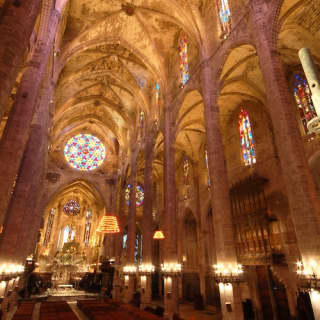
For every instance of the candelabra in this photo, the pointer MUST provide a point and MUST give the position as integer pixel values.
(10, 271)
(146, 269)
(308, 276)
(129, 269)
(230, 274)
(171, 269)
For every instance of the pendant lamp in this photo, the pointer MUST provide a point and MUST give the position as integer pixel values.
(158, 235)
(108, 224)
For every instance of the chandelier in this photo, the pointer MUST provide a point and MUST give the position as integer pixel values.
(108, 224)
(72, 208)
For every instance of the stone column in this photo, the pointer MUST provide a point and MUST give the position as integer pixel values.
(147, 221)
(17, 131)
(299, 185)
(220, 201)
(16, 26)
(131, 240)
(23, 219)
(171, 291)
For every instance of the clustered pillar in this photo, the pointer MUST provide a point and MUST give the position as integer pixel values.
(146, 279)
(171, 292)
(17, 131)
(131, 240)
(300, 187)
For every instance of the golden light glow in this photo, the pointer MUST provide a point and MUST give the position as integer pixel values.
(108, 224)
(158, 235)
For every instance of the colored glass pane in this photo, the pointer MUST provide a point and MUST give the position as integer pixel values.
(304, 102)
(246, 138)
(224, 17)
(139, 195)
(72, 208)
(184, 65)
(186, 173)
(84, 152)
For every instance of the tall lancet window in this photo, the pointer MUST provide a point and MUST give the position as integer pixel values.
(184, 65)
(66, 233)
(224, 17)
(303, 99)
(207, 165)
(246, 138)
(186, 174)
(87, 229)
(49, 227)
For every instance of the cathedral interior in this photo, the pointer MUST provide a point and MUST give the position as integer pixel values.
(160, 159)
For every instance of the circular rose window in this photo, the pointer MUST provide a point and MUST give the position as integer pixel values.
(139, 195)
(72, 208)
(84, 152)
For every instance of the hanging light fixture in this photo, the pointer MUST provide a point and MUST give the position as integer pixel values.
(158, 235)
(108, 224)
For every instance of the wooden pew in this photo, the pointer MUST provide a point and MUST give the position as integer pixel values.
(24, 311)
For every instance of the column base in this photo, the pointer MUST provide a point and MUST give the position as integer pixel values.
(171, 297)
(146, 291)
(129, 290)
(231, 304)
(315, 301)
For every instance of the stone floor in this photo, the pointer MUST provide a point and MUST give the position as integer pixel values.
(187, 312)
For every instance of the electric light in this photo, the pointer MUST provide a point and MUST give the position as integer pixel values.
(308, 275)
(129, 269)
(108, 224)
(171, 268)
(158, 235)
(230, 274)
(146, 268)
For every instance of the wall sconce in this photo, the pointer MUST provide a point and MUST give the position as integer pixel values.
(308, 276)
(230, 274)
(171, 269)
(129, 269)
(146, 268)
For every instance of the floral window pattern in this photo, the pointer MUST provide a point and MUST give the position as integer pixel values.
(87, 229)
(84, 152)
(224, 17)
(49, 226)
(246, 138)
(302, 95)
(184, 65)
(72, 208)
(139, 195)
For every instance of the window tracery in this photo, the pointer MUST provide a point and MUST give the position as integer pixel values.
(246, 138)
(139, 195)
(224, 17)
(302, 95)
(72, 208)
(87, 228)
(49, 227)
(84, 152)
(186, 173)
(184, 65)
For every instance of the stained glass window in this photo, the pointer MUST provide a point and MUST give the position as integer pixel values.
(65, 235)
(246, 138)
(186, 173)
(207, 165)
(184, 65)
(304, 102)
(72, 208)
(87, 228)
(49, 227)
(84, 152)
(141, 119)
(224, 17)
(139, 195)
